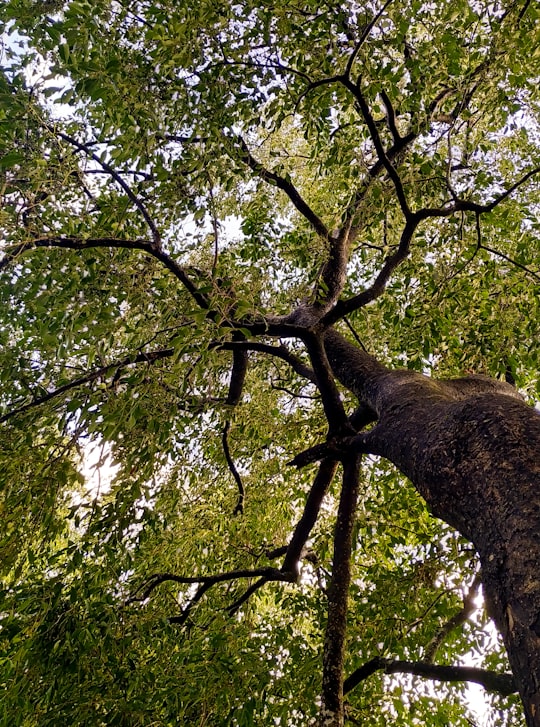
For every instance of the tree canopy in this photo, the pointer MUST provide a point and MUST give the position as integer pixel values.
(191, 193)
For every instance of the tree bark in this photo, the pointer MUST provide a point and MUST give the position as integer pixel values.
(471, 447)
(332, 712)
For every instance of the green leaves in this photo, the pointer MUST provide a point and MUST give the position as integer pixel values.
(129, 123)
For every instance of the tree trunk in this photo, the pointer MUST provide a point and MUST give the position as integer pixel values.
(471, 447)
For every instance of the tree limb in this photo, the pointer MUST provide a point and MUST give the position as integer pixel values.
(284, 184)
(146, 589)
(79, 243)
(338, 597)
(149, 357)
(156, 237)
(457, 620)
(280, 351)
(331, 399)
(491, 681)
(321, 483)
(354, 88)
(239, 508)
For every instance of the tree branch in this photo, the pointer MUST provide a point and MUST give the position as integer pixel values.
(491, 681)
(344, 307)
(331, 399)
(280, 351)
(149, 357)
(338, 596)
(453, 623)
(321, 483)
(156, 237)
(146, 589)
(79, 243)
(363, 37)
(285, 185)
(379, 148)
(239, 508)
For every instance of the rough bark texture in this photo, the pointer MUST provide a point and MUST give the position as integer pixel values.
(472, 448)
(338, 594)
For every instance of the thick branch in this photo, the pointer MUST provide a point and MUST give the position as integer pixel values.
(491, 681)
(332, 404)
(378, 287)
(332, 713)
(325, 475)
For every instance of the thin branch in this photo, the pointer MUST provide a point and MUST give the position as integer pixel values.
(363, 37)
(156, 237)
(149, 357)
(491, 681)
(233, 608)
(79, 243)
(390, 117)
(284, 184)
(509, 260)
(376, 289)
(146, 589)
(470, 206)
(379, 148)
(453, 623)
(239, 508)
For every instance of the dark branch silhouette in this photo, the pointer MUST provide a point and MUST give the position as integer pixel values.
(492, 681)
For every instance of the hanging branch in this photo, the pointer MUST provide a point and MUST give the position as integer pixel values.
(236, 386)
(491, 681)
(239, 508)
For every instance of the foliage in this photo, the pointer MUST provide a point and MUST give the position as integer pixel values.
(167, 172)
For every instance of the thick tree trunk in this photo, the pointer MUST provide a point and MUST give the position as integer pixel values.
(472, 449)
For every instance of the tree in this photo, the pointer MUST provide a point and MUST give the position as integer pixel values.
(247, 250)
